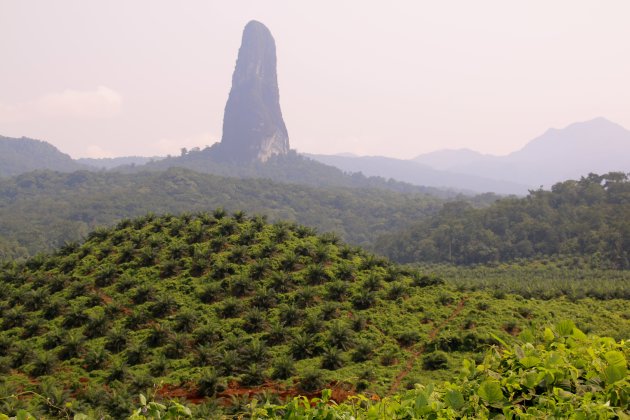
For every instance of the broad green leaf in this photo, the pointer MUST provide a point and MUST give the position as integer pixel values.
(143, 399)
(617, 366)
(554, 359)
(548, 335)
(529, 361)
(496, 337)
(614, 374)
(421, 400)
(531, 379)
(577, 333)
(562, 394)
(622, 415)
(326, 394)
(615, 358)
(527, 336)
(454, 399)
(565, 328)
(24, 415)
(490, 392)
(468, 367)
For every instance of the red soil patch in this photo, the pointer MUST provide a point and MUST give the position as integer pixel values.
(341, 391)
(168, 391)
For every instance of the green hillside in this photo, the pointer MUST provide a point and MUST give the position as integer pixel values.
(291, 168)
(212, 308)
(22, 155)
(43, 210)
(589, 218)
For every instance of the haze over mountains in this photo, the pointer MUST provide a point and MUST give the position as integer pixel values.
(255, 143)
(596, 146)
(22, 155)
(417, 173)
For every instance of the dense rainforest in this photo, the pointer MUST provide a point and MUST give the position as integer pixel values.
(291, 168)
(73, 204)
(40, 211)
(213, 308)
(589, 217)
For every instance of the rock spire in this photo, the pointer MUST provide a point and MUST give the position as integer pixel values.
(253, 128)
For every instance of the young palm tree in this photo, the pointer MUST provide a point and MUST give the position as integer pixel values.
(72, 346)
(332, 358)
(396, 290)
(255, 320)
(208, 382)
(185, 320)
(362, 351)
(337, 291)
(255, 351)
(176, 347)
(372, 282)
(316, 274)
(264, 298)
(276, 333)
(96, 358)
(135, 354)
(283, 367)
(303, 346)
(289, 315)
(339, 335)
(210, 293)
(157, 336)
(116, 340)
(43, 364)
(363, 299)
(254, 375)
(313, 324)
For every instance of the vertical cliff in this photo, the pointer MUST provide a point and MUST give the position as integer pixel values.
(253, 128)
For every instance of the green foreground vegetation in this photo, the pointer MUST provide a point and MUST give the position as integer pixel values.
(212, 310)
(560, 374)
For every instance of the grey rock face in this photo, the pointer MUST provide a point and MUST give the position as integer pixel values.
(253, 128)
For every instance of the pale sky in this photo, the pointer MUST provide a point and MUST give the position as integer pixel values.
(118, 77)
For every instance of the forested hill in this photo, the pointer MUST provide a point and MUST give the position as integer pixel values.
(23, 155)
(589, 217)
(42, 210)
(293, 168)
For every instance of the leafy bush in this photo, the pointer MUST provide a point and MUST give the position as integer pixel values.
(434, 361)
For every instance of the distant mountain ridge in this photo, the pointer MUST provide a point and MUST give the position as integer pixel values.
(20, 155)
(419, 174)
(597, 146)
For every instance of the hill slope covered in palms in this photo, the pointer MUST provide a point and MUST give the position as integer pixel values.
(208, 306)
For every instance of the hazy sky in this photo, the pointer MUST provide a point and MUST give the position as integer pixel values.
(111, 78)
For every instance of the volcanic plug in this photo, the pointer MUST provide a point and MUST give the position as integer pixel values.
(253, 128)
